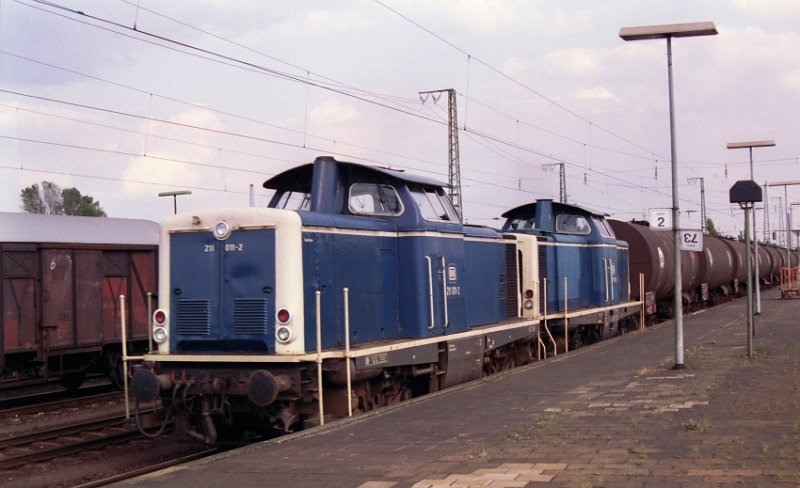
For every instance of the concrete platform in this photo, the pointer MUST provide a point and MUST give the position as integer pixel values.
(611, 415)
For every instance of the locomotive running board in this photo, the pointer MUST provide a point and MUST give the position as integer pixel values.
(355, 352)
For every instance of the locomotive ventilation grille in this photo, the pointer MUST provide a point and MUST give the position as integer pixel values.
(194, 317)
(508, 290)
(250, 316)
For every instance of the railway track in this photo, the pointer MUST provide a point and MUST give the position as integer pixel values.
(151, 468)
(41, 446)
(60, 404)
(11, 400)
(83, 441)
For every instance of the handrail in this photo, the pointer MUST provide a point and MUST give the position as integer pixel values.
(123, 325)
(566, 318)
(444, 292)
(430, 290)
(546, 328)
(612, 273)
(641, 298)
(318, 295)
(150, 321)
(539, 342)
(346, 292)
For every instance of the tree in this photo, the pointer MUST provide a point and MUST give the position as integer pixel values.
(76, 204)
(51, 199)
(711, 228)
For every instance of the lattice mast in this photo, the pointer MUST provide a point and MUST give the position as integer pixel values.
(702, 202)
(454, 166)
(767, 236)
(562, 179)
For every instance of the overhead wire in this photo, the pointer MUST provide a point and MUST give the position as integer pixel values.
(506, 76)
(294, 78)
(327, 83)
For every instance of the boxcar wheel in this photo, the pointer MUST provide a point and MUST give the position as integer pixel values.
(115, 367)
(72, 381)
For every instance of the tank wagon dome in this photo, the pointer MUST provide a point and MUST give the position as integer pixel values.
(67, 229)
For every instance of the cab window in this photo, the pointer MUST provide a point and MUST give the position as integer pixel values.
(374, 199)
(294, 200)
(572, 224)
(434, 204)
(605, 229)
(522, 224)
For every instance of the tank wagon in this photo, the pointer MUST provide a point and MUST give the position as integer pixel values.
(716, 274)
(359, 287)
(61, 279)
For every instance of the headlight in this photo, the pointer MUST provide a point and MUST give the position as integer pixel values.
(528, 304)
(283, 335)
(222, 230)
(160, 335)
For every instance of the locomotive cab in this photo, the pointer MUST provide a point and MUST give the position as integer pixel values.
(582, 269)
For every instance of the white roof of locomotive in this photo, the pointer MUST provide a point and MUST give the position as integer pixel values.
(65, 229)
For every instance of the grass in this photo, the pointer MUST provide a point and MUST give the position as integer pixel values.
(692, 425)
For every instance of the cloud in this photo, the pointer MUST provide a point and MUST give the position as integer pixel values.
(513, 65)
(792, 81)
(767, 8)
(318, 22)
(484, 15)
(574, 62)
(593, 93)
(332, 113)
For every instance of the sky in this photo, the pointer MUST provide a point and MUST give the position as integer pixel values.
(125, 99)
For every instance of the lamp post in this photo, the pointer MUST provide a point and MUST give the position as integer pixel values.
(746, 193)
(750, 145)
(174, 194)
(667, 32)
(785, 185)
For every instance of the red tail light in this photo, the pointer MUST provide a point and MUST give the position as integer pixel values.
(283, 316)
(160, 317)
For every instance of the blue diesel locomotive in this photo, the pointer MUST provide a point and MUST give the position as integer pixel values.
(359, 287)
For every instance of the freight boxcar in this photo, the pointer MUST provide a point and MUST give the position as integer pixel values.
(61, 281)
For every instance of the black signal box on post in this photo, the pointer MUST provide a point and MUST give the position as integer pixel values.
(746, 191)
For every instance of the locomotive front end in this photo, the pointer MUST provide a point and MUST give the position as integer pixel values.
(231, 308)
(225, 291)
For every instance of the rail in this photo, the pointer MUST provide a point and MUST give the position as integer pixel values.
(64, 441)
